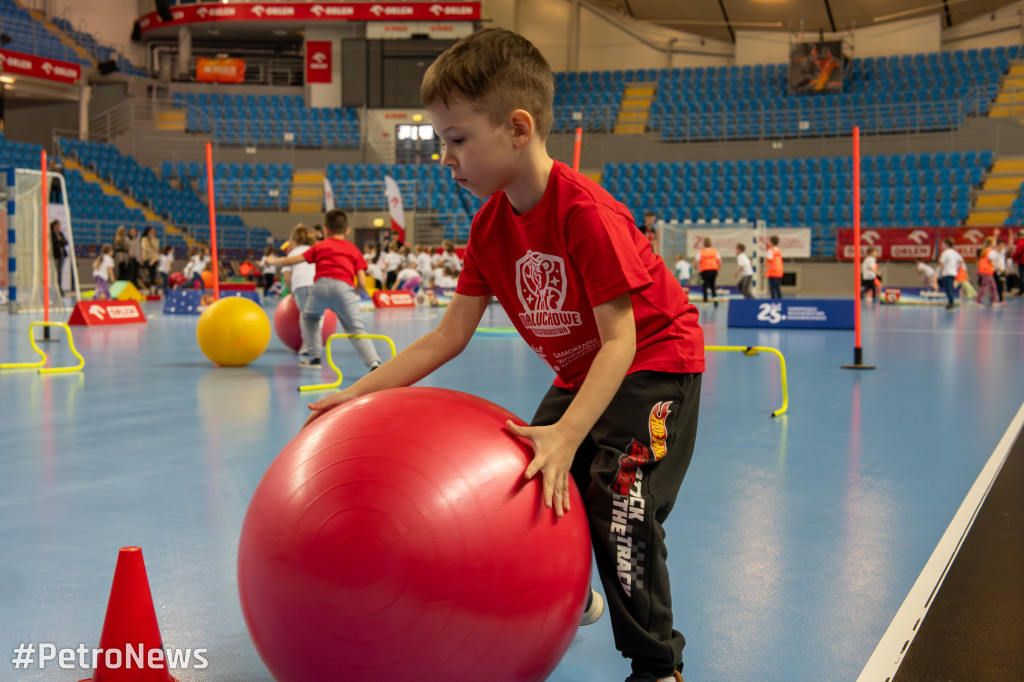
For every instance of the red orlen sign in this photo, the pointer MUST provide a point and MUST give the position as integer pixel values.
(220, 70)
(97, 313)
(318, 61)
(315, 11)
(39, 67)
(892, 243)
(911, 243)
(393, 299)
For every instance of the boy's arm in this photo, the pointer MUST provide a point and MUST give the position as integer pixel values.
(426, 354)
(555, 445)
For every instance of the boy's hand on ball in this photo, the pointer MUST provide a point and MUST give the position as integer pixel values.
(553, 452)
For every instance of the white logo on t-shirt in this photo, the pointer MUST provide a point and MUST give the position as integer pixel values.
(541, 285)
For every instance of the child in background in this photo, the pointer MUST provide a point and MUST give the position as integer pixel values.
(267, 269)
(585, 290)
(299, 277)
(338, 262)
(423, 262)
(773, 265)
(392, 263)
(998, 258)
(163, 266)
(951, 269)
(928, 276)
(986, 273)
(408, 279)
(200, 259)
(710, 261)
(103, 272)
(869, 280)
(744, 270)
(683, 271)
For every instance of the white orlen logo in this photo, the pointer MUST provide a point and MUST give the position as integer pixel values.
(918, 236)
(974, 236)
(258, 10)
(3, 60)
(770, 313)
(319, 58)
(436, 10)
(870, 237)
(48, 68)
(202, 11)
(318, 10)
(97, 311)
(541, 285)
(377, 10)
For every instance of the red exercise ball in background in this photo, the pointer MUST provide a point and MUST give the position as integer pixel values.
(207, 279)
(395, 538)
(176, 279)
(286, 323)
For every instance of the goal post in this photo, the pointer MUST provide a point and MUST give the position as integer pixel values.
(687, 238)
(21, 246)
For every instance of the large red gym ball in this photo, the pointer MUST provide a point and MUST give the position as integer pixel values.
(286, 323)
(395, 538)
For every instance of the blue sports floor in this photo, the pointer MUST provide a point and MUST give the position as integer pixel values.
(792, 545)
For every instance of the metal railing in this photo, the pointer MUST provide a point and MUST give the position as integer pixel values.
(131, 114)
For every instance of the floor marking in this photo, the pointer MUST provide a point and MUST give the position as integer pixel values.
(889, 653)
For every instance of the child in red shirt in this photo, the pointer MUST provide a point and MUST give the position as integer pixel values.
(585, 290)
(338, 264)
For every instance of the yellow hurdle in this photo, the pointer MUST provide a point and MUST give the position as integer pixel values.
(753, 350)
(42, 356)
(330, 360)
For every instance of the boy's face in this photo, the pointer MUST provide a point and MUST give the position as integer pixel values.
(479, 153)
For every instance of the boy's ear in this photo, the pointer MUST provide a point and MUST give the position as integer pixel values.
(522, 126)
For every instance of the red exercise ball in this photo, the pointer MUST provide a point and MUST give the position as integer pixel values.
(207, 277)
(371, 552)
(286, 323)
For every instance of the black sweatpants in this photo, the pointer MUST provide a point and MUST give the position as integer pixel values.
(629, 470)
(708, 278)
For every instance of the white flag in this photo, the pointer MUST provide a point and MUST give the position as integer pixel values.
(328, 196)
(395, 208)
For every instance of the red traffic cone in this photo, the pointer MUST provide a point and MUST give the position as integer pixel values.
(130, 628)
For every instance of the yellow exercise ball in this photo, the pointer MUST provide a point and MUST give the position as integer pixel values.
(233, 331)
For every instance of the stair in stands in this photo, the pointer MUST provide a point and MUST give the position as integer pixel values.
(89, 176)
(169, 119)
(307, 191)
(635, 110)
(1000, 187)
(63, 37)
(1010, 100)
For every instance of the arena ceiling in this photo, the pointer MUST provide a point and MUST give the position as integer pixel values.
(718, 19)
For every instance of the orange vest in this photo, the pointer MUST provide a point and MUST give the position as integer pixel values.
(708, 259)
(775, 264)
(961, 274)
(985, 266)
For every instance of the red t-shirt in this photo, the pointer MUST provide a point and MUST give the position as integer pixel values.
(576, 249)
(335, 258)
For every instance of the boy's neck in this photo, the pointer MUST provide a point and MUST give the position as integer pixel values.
(331, 235)
(532, 174)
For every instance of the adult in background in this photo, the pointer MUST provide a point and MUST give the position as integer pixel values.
(150, 256)
(134, 256)
(59, 249)
(121, 253)
(774, 268)
(649, 230)
(709, 261)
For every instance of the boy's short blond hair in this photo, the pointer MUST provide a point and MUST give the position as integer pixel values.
(495, 72)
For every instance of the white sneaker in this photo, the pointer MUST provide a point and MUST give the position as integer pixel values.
(595, 607)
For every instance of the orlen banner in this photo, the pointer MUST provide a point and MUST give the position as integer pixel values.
(39, 67)
(911, 243)
(318, 61)
(309, 12)
(220, 70)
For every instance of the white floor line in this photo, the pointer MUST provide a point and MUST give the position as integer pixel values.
(889, 653)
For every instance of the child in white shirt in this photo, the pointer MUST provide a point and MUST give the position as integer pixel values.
(745, 271)
(103, 272)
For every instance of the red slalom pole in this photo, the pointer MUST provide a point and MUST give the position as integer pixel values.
(858, 352)
(213, 221)
(46, 248)
(576, 149)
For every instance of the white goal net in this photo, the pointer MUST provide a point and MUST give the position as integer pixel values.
(21, 247)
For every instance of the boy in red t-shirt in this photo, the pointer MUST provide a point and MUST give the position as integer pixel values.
(584, 289)
(338, 263)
